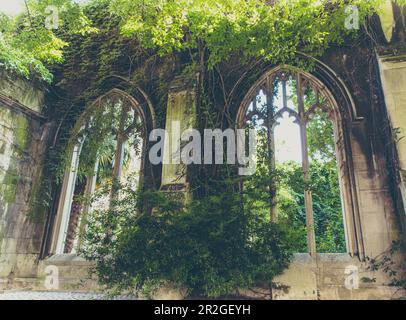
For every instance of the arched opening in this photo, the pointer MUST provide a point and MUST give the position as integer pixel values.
(106, 151)
(302, 160)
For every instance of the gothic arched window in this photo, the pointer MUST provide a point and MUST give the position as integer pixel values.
(106, 150)
(300, 150)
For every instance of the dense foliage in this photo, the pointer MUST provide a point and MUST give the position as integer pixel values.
(209, 247)
(329, 228)
(289, 180)
(28, 44)
(217, 28)
(214, 245)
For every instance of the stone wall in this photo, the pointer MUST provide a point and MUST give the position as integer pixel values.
(323, 277)
(22, 144)
(393, 76)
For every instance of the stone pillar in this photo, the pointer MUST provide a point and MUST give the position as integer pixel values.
(181, 115)
(23, 138)
(387, 20)
(393, 77)
(392, 65)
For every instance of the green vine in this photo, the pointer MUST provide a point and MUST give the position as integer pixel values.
(216, 28)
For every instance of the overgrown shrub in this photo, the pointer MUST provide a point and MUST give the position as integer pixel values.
(211, 246)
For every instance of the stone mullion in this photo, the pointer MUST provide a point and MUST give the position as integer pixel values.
(270, 122)
(311, 238)
(119, 155)
(65, 204)
(89, 191)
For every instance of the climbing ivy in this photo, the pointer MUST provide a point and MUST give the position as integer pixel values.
(209, 247)
(29, 44)
(252, 28)
(216, 28)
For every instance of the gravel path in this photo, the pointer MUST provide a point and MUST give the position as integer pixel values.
(42, 295)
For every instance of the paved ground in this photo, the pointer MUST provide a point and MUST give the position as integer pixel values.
(38, 295)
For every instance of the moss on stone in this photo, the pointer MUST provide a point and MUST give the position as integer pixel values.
(21, 132)
(10, 184)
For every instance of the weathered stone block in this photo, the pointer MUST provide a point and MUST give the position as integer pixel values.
(21, 91)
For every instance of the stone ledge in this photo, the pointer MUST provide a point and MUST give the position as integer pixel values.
(67, 260)
(323, 258)
(21, 93)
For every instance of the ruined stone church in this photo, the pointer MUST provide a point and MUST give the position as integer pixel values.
(363, 83)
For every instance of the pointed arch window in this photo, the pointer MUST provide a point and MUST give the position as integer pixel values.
(107, 149)
(299, 124)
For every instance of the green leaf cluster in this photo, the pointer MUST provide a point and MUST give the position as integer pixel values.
(212, 29)
(28, 47)
(251, 28)
(210, 247)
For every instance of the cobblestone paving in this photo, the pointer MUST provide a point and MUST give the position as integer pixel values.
(39, 295)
